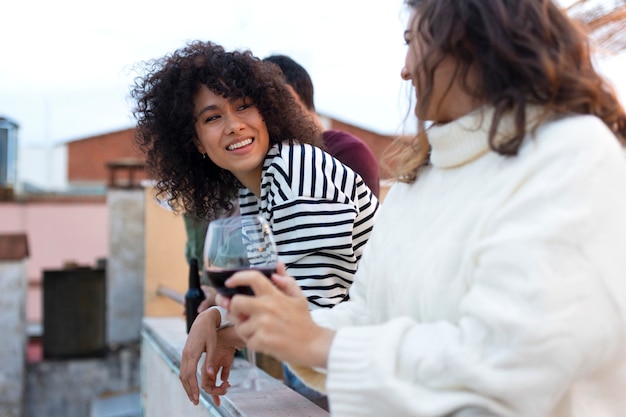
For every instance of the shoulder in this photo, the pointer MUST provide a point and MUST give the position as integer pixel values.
(584, 135)
(345, 145)
(573, 155)
(578, 126)
(338, 137)
(288, 164)
(290, 150)
(333, 134)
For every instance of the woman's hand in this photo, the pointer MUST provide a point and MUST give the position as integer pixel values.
(277, 321)
(204, 338)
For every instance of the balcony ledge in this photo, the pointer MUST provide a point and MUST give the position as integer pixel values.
(163, 339)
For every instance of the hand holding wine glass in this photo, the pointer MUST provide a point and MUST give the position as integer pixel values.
(234, 244)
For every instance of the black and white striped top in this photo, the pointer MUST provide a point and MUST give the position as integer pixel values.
(321, 213)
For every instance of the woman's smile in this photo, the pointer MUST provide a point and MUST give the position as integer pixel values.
(239, 144)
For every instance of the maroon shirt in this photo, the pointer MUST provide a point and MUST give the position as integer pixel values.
(354, 153)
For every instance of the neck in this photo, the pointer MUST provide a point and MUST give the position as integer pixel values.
(252, 180)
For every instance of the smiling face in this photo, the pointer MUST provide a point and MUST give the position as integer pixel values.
(233, 135)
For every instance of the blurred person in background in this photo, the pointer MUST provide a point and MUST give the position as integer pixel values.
(348, 148)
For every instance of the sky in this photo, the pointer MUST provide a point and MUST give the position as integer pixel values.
(66, 66)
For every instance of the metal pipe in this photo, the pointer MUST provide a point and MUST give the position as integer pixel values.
(171, 294)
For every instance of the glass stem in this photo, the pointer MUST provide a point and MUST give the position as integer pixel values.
(252, 360)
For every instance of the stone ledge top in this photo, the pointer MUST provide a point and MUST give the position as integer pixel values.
(275, 400)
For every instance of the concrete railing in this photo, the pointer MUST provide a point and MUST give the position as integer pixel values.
(163, 396)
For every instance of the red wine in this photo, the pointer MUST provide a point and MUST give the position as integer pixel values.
(218, 278)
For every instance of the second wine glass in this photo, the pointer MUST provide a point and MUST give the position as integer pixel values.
(234, 244)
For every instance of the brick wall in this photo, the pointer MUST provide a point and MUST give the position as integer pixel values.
(87, 157)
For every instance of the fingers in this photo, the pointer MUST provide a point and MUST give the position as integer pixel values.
(222, 301)
(205, 304)
(209, 381)
(259, 282)
(201, 339)
(187, 375)
(209, 378)
(287, 284)
(267, 292)
(225, 373)
(256, 280)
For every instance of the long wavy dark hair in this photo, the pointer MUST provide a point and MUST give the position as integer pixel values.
(527, 52)
(165, 120)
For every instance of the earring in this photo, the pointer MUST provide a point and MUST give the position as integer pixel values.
(203, 156)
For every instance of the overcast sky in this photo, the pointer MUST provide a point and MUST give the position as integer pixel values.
(66, 66)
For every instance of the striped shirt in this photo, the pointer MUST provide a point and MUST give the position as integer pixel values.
(321, 213)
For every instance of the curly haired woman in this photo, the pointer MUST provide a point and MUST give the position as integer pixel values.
(217, 124)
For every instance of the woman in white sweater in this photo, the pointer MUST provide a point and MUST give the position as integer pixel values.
(494, 283)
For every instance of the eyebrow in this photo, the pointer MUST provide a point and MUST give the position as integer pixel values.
(212, 107)
(205, 109)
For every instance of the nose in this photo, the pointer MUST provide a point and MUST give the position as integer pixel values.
(234, 125)
(405, 74)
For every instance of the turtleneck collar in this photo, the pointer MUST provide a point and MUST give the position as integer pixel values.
(467, 138)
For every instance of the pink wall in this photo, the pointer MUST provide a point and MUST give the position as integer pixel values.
(57, 232)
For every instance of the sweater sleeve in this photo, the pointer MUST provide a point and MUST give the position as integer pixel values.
(322, 216)
(544, 307)
(353, 312)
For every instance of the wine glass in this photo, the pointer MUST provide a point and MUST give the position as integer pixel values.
(234, 244)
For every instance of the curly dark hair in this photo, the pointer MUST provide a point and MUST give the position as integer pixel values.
(165, 120)
(526, 52)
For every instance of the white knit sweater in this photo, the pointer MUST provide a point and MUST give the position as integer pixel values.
(492, 282)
